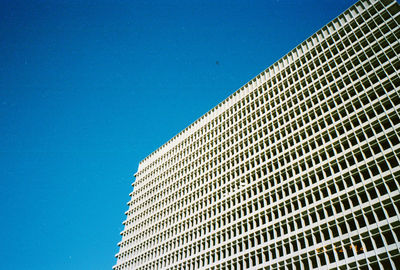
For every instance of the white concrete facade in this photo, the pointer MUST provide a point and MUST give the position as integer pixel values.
(298, 169)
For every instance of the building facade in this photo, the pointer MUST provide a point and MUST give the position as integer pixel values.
(298, 169)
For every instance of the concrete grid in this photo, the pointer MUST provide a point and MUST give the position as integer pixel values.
(298, 169)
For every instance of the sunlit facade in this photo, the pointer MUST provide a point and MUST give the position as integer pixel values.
(298, 169)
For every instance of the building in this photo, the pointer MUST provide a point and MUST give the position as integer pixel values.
(298, 169)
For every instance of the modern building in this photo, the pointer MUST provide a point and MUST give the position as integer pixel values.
(298, 169)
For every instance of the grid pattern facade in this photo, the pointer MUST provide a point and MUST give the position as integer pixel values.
(298, 169)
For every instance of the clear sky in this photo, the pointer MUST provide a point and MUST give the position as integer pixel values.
(90, 88)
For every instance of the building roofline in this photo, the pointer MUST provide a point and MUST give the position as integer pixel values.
(249, 83)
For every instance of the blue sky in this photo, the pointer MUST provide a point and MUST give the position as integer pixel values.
(90, 88)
